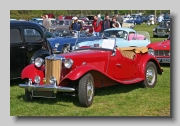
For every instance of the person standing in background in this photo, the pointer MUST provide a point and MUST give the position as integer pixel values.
(119, 19)
(46, 22)
(106, 24)
(97, 25)
(115, 23)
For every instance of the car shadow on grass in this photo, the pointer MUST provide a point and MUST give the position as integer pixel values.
(116, 89)
(63, 100)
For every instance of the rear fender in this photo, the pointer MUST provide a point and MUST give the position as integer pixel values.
(31, 71)
(145, 59)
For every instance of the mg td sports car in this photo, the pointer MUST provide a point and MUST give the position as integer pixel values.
(161, 50)
(89, 67)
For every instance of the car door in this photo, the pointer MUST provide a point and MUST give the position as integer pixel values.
(33, 41)
(16, 51)
(120, 67)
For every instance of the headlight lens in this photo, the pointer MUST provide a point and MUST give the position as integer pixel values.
(52, 80)
(38, 62)
(37, 79)
(68, 63)
(56, 45)
(169, 29)
(154, 29)
(151, 51)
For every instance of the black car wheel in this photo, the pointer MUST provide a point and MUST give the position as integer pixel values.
(86, 90)
(155, 36)
(150, 75)
(28, 94)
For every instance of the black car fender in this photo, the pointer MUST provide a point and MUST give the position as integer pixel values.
(42, 53)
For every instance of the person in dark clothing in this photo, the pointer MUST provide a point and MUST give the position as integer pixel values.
(119, 18)
(106, 24)
(76, 25)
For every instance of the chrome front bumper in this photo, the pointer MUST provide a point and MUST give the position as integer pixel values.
(46, 87)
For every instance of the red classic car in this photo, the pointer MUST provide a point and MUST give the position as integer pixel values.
(89, 67)
(161, 50)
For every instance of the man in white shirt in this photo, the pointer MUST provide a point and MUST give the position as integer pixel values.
(160, 18)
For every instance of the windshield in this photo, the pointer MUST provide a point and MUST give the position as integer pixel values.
(69, 33)
(95, 42)
(115, 33)
(165, 23)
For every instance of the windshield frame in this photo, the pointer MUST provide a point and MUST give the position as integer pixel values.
(95, 45)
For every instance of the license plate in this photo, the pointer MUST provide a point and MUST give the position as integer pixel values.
(161, 35)
(164, 60)
(45, 94)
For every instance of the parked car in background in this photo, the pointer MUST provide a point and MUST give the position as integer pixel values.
(13, 19)
(64, 40)
(163, 29)
(161, 50)
(60, 24)
(125, 37)
(136, 21)
(36, 20)
(78, 73)
(27, 42)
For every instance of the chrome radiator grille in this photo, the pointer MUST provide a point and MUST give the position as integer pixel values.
(161, 30)
(162, 53)
(53, 68)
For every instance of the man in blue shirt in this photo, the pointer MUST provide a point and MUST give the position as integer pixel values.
(76, 25)
(106, 23)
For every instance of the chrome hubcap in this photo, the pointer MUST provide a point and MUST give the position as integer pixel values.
(150, 75)
(89, 90)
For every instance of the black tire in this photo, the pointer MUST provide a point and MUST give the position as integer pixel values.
(86, 82)
(155, 36)
(28, 95)
(150, 76)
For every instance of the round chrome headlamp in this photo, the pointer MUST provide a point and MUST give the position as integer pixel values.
(38, 62)
(56, 45)
(52, 80)
(37, 79)
(68, 63)
(151, 51)
(154, 29)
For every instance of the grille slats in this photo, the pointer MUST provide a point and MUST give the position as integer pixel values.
(52, 68)
(162, 53)
(161, 30)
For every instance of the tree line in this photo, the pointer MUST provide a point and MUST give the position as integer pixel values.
(27, 14)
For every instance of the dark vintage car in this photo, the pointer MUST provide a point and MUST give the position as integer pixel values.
(27, 42)
(78, 73)
(64, 40)
(163, 29)
(136, 21)
(161, 50)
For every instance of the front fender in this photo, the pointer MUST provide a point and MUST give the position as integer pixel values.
(40, 53)
(145, 59)
(31, 71)
(79, 72)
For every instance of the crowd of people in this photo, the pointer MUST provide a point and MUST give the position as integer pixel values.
(99, 25)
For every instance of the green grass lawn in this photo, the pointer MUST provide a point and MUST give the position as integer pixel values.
(120, 100)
